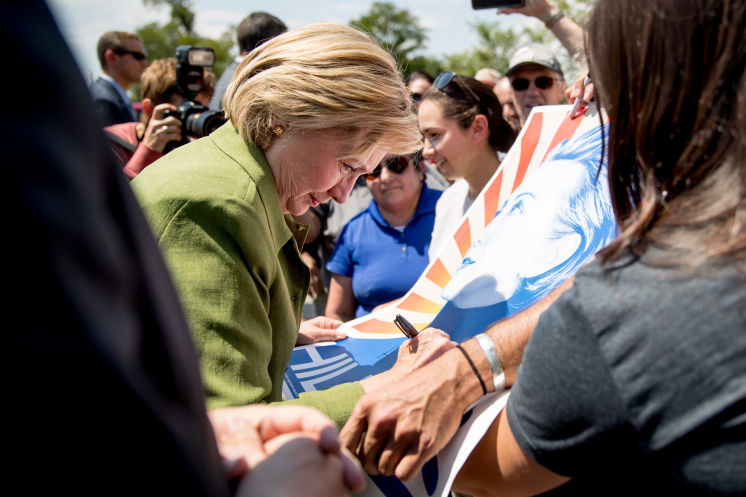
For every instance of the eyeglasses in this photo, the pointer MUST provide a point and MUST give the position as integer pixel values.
(542, 83)
(397, 164)
(416, 97)
(138, 56)
(445, 78)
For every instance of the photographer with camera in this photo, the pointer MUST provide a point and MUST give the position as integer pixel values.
(171, 112)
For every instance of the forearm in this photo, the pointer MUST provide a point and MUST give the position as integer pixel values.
(497, 465)
(340, 303)
(453, 373)
(571, 36)
(335, 314)
(565, 29)
(510, 338)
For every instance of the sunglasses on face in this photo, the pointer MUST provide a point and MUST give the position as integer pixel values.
(396, 165)
(446, 78)
(416, 97)
(138, 56)
(542, 83)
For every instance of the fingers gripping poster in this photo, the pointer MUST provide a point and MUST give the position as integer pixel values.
(545, 212)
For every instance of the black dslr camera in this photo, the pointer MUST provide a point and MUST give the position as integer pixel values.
(196, 120)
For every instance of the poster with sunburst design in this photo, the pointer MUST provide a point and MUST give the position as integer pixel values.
(542, 215)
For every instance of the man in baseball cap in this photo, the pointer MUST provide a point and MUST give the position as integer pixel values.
(536, 78)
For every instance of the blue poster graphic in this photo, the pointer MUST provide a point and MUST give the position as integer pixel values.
(549, 227)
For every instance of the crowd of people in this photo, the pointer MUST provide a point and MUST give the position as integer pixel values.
(176, 273)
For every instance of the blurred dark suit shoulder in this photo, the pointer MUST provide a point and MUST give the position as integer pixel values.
(104, 395)
(109, 105)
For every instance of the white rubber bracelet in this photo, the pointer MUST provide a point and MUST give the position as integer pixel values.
(498, 375)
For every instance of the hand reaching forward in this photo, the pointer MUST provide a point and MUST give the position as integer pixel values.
(413, 412)
(420, 350)
(319, 329)
(395, 430)
(413, 354)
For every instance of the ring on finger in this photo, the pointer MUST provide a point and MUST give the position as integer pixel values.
(164, 128)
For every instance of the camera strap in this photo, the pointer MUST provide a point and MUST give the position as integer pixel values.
(120, 141)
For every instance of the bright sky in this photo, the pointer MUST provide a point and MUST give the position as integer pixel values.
(82, 21)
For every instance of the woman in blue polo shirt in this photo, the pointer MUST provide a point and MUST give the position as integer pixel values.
(383, 250)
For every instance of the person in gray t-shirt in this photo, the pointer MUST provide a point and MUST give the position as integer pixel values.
(634, 381)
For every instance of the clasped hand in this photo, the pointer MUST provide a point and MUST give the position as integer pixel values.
(283, 451)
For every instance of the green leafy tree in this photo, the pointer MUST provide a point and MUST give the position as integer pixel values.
(497, 41)
(161, 40)
(396, 29)
(578, 10)
(181, 12)
(493, 50)
(400, 32)
(430, 65)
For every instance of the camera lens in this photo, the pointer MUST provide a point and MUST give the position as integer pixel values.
(203, 123)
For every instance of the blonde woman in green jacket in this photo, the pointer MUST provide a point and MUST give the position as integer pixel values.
(309, 112)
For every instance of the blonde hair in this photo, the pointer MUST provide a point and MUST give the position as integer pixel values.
(323, 76)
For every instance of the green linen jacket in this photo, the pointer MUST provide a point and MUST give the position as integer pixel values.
(235, 260)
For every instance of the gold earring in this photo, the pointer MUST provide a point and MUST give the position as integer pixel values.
(278, 130)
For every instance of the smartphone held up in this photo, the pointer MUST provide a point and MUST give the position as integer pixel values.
(491, 4)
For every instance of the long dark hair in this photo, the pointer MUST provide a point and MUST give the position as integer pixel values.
(458, 103)
(670, 74)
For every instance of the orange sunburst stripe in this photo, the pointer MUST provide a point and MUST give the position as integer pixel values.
(565, 131)
(438, 274)
(492, 198)
(418, 303)
(378, 327)
(528, 145)
(463, 237)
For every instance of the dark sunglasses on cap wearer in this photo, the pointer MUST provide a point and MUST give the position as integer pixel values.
(542, 83)
(139, 56)
(397, 164)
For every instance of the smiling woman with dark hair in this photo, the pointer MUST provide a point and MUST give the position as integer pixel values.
(463, 129)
